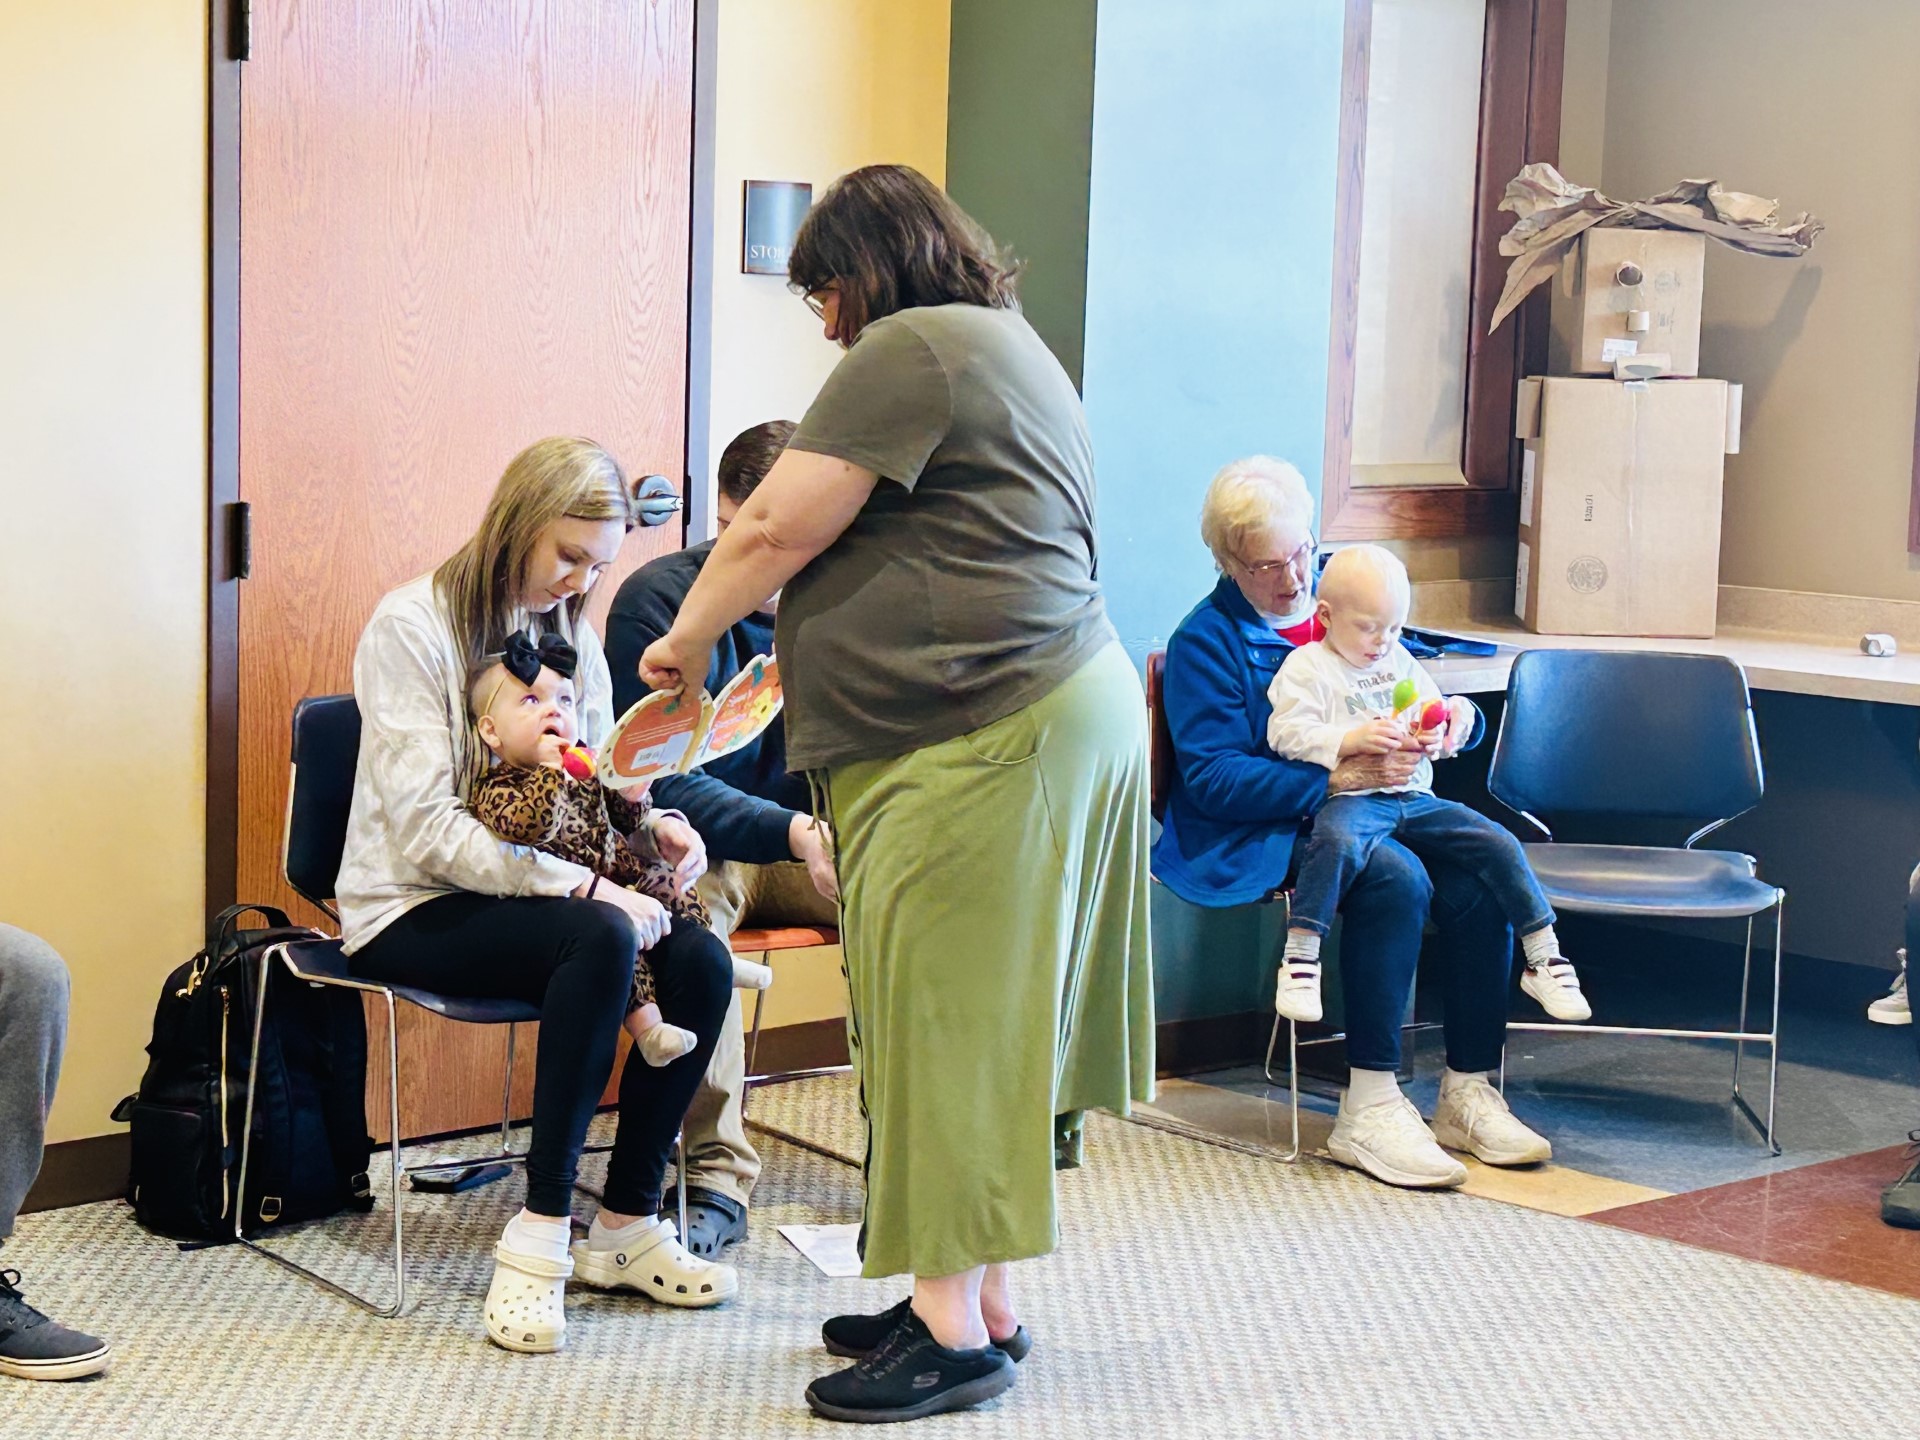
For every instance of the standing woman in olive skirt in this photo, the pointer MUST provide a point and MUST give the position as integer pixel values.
(978, 737)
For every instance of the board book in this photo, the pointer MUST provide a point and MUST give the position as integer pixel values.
(670, 734)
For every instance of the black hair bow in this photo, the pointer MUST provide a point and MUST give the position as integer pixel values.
(523, 658)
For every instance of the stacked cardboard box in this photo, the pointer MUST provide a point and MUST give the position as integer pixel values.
(1620, 479)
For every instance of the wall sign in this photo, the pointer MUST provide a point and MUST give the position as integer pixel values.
(772, 215)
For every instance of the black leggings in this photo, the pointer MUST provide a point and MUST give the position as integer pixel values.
(574, 959)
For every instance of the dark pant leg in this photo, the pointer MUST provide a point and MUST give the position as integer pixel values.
(1473, 950)
(1384, 914)
(1913, 941)
(572, 958)
(1345, 831)
(693, 984)
(1443, 830)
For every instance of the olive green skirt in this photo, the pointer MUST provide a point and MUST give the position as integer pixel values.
(994, 923)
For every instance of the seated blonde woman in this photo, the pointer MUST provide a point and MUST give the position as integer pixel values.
(1235, 808)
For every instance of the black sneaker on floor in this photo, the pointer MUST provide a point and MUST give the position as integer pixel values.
(1900, 1201)
(714, 1221)
(910, 1376)
(854, 1337)
(32, 1347)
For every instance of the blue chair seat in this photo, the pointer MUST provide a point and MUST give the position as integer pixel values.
(1650, 880)
(325, 960)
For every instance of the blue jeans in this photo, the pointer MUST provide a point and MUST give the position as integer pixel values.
(1471, 953)
(1348, 828)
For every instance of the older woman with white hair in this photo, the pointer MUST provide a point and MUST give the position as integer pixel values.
(1235, 809)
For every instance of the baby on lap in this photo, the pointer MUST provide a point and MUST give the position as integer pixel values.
(1333, 699)
(523, 714)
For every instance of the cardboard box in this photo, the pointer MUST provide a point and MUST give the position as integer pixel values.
(1620, 505)
(1598, 318)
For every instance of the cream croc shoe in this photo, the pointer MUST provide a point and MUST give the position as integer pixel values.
(526, 1303)
(656, 1264)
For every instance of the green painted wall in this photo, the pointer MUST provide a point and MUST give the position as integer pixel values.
(1020, 147)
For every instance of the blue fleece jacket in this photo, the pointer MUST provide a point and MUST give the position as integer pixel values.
(1233, 807)
(743, 803)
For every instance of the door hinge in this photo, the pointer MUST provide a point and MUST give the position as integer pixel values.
(240, 539)
(242, 37)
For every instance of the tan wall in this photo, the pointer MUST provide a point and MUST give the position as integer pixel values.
(806, 92)
(103, 484)
(1815, 104)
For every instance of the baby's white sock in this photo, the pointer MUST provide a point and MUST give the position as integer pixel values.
(601, 1236)
(1451, 1079)
(545, 1235)
(1371, 1087)
(664, 1044)
(1302, 945)
(751, 974)
(1540, 947)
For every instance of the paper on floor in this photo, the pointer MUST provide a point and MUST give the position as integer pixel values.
(833, 1249)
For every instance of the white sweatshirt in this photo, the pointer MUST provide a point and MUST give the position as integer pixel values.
(1317, 698)
(410, 835)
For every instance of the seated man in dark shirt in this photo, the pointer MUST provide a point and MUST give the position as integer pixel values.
(771, 864)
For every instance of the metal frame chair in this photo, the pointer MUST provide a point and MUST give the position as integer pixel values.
(326, 739)
(764, 943)
(1620, 733)
(1159, 768)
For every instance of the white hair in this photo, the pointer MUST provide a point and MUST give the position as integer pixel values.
(1357, 571)
(1249, 498)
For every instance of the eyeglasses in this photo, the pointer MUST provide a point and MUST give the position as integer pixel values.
(817, 301)
(1300, 562)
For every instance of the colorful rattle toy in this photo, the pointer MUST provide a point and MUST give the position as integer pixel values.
(1431, 717)
(577, 761)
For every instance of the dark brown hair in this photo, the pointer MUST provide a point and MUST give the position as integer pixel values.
(749, 455)
(889, 239)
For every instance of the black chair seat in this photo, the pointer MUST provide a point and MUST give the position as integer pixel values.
(324, 960)
(1650, 880)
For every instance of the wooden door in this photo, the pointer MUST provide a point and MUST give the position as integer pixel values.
(463, 227)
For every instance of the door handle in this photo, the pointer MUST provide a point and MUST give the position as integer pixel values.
(658, 502)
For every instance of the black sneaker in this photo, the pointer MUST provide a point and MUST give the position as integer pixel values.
(32, 1347)
(1900, 1201)
(714, 1221)
(854, 1337)
(910, 1376)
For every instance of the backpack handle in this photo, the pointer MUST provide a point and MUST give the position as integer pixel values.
(222, 925)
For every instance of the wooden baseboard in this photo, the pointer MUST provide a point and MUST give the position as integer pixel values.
(811, 1045)
(79, 1172)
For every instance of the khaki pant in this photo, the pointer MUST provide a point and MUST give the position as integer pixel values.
(719, 1156)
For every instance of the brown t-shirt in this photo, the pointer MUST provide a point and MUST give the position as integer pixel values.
(965, 589)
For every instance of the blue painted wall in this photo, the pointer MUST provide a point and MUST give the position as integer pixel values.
(1209, 272)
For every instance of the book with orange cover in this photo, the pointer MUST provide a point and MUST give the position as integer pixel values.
(670, 734)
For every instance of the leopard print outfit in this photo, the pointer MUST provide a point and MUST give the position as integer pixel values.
(588, 824)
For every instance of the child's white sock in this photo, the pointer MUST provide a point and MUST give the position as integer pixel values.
(1540, 947)
(1302, 945)
(1371, 1087)
(601, 1236)
(1451, 1079)
(664, 1044)
(751, 974)
(547, 1236)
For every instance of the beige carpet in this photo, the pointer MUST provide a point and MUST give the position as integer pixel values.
(1199, 1292)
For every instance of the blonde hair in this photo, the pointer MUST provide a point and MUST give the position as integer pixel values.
(479, 584)
(1358, 571)
(1247, 499)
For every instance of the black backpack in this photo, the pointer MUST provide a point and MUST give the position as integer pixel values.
(310, 1141)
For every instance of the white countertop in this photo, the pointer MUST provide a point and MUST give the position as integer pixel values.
(1796, 664)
